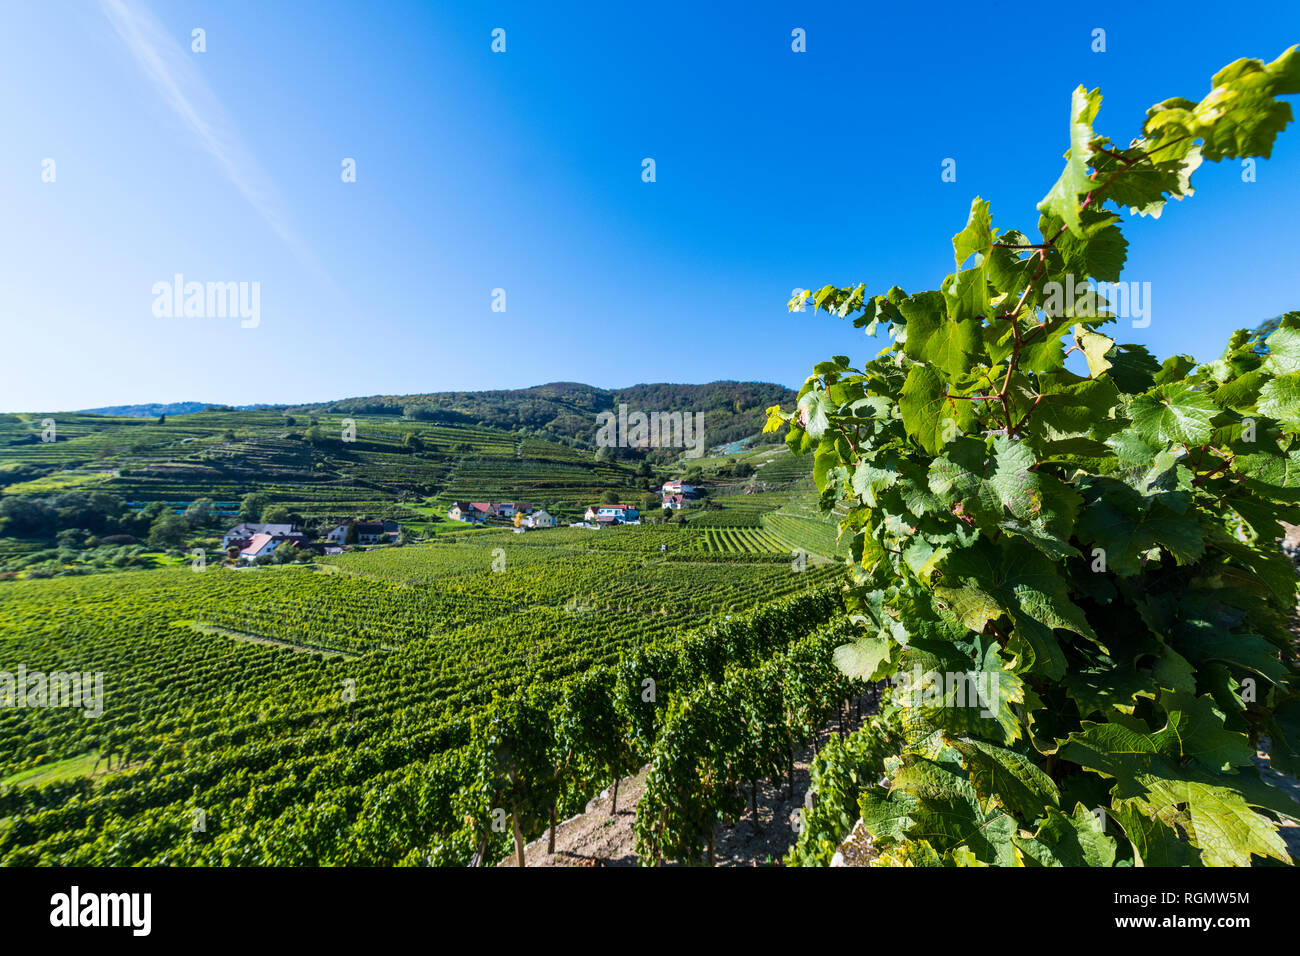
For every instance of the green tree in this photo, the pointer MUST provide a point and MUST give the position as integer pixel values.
(1085, 561)
(200, 512)
(168, 531)
(253, 504)
(609, 497)
(278, 514)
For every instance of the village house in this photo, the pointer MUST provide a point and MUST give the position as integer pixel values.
(241, 534)
(534, 519)
(367, 532)
(259, 546)
(677, 487)
(471, 511)
(613, 514)
(675, 502)
(480, 511)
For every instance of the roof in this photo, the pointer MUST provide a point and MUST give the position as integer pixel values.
(259, 542)
(249, 528)
(677, 498)
(481, 505)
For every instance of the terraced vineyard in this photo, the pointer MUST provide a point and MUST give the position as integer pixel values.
(303, 463)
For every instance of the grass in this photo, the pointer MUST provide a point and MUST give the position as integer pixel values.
(60, 770)
(59, 481)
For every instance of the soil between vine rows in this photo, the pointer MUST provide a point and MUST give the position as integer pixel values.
(594, 838)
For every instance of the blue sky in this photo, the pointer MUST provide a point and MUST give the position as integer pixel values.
(522, 171)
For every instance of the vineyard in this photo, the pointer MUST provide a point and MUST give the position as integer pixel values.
(305, 464)
(299, 708)
(743, 540)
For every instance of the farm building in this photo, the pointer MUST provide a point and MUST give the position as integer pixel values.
(675, 502)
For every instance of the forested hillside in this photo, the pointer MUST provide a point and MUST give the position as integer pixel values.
(568, 410)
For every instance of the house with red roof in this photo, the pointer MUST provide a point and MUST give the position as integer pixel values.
(472, 511)
(259, 546)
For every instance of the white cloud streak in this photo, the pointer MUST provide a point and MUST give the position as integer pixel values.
(171, 68)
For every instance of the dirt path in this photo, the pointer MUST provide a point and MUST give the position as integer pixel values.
(199, 627)
(594, 838)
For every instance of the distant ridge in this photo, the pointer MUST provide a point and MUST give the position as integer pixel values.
(158, 408)
(732, 410)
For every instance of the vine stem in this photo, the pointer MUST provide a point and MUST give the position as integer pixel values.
(1042, 250)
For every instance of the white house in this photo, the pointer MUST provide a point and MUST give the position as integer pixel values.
(675, 502)
(259, 546)
(538, 519)
(676, 487)
(368, 532)
(246, 531)
(613, 514)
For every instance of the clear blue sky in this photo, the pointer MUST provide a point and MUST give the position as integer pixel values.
(522, 171)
